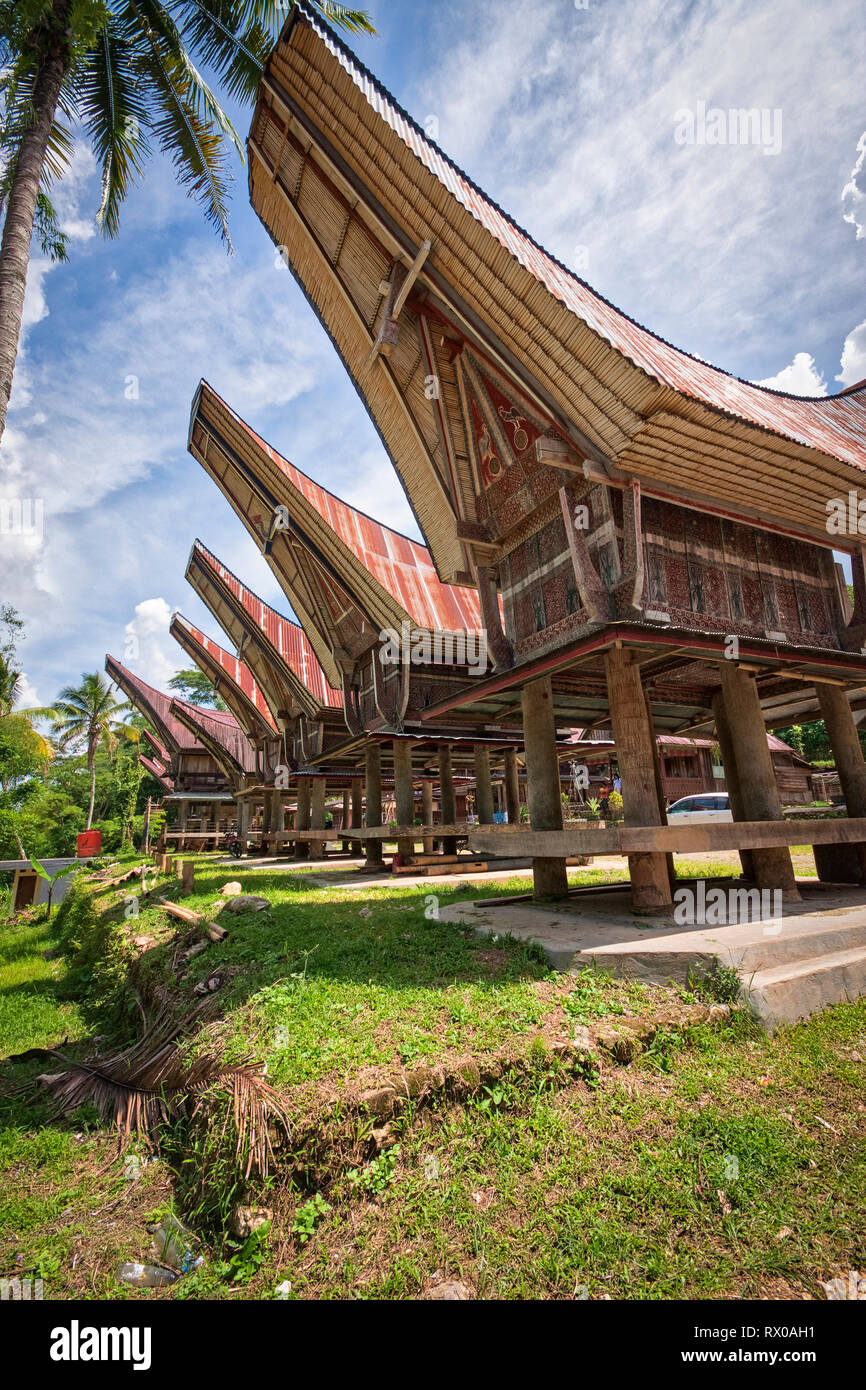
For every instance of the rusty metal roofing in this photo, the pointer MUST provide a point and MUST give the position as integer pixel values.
(236, 671)
(221, 729)
(835, 425)
(157, 771)
(403, 567)
(155, 706)
(284, 636)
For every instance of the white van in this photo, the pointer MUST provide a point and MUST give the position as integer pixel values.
(694, 810)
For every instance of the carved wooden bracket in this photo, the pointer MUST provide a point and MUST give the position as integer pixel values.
(593, 595)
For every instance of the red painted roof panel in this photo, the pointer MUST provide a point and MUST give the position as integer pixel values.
(237, 672)
(403, 567)
(284, 636)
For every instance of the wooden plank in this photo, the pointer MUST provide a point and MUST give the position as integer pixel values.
(405, 832)
(691, 839)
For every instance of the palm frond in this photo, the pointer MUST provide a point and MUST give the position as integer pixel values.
(145, 1085)
(115, 117)
(345, 17)
(194, 142)
(231, 38)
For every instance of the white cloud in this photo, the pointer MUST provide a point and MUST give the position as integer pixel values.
(853, 195)
(27, 695)
(148, 649)
(800, 378)
(78, 185)
(854, 356)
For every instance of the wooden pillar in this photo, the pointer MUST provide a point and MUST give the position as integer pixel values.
(302, 817)
(483, 786)
(317, 816)
(404, 794)
(660, 791)
(357, 814)
(633, 737)
(243, 819)
(848, 756)
(542, 774)
(346, 812)
(427, 811)
(732, 776)
(373, 787)
(446, 796)
(512, 787)
(760, 794)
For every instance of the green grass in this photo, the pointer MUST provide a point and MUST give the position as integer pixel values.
(33, 1012)
(615, 1191)
(540, 1185)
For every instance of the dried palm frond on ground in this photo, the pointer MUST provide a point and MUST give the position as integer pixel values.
(152, 1081)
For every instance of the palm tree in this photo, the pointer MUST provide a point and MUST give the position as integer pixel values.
(10, 690)
(123, 71)
(88, 715)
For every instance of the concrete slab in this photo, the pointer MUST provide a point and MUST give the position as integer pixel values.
(815, 954)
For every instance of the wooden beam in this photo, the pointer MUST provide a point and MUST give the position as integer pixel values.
(663, 839)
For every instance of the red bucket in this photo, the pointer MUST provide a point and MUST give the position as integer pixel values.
(89, 843)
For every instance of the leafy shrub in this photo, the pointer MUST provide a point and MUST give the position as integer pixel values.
(94, 946)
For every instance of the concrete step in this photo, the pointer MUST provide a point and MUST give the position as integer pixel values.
(794, 939)
(797, 989)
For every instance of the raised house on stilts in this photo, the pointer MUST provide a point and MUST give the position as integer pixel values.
(653, 531)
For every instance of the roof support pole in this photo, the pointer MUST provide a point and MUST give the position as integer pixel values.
(302, 817)
(732, 777)
(346, 809)
(373, 789)
(758, 786)
(542, 774)
(404, 794)
(633, 737)
(483, 785)
(317, 816)
(357, 816)
(660, 791)
(427, 811)
(448, 803)
(512, 787)
(850, 765)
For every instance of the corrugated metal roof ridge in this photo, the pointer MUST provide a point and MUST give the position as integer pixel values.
(235, 669)
(296, 650)
(466, 602)
(222, 728)
(811, 410)
(159, 704)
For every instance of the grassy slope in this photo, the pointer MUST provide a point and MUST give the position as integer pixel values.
(530, 1190)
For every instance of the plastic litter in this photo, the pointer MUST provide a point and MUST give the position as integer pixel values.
(145, 1276)
(175, 1246)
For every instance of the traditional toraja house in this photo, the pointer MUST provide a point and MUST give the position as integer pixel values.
(381, 623)
(304, 712)
(689, 766)
(656, 528)
(195, 782)
(236, 685)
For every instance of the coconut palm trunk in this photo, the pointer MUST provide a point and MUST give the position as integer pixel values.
(91, 763)
(21, 204)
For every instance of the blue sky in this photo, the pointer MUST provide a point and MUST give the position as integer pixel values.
(566, 114)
